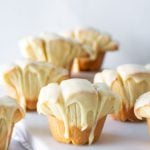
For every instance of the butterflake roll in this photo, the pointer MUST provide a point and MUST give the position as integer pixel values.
(142, 108)
(100, 43)
(24, 80)
(77, 109)
(51, 48)
(10, 113)
(129, 81)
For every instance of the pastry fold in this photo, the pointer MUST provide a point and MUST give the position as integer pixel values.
(78, 109)
(10, 113)
(99, 44)
(142, 108)
(25, 79)
(129, 81)
(51, 48)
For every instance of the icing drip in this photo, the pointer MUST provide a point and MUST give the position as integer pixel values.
(108, 76)
(77, 103)
(10, 113)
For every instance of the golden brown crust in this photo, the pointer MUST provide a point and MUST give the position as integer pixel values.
(12, 127)
(126, 114)
(76, 136)
(86, 64)
(148, 124)
(31, 105)
(6, 140)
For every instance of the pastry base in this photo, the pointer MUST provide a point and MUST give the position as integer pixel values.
(76, 136)
(4, 145)
(25, 103)
(125, 115)
(86, 64)
(148, 124)
(69, 68)
(12, 127)
(31, 105)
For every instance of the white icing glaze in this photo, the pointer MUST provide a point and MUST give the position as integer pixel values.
(10, 113)
(33, 48)
(107, 76)
(142, 106)
(132, 70)
(98, 41)
(70, 88)
(97, 99)
(4, 69)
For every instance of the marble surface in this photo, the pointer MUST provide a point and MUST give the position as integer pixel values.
(115, 136)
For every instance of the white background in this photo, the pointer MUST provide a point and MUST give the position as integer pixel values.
(128, 21)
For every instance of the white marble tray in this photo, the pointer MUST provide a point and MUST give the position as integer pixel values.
(115, 136)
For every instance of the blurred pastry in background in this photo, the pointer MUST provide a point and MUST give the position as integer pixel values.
(25, 78)
(51, 48)
(77, 109)
(129, 81)
(10, 113)
(98, 42)
(142, 108)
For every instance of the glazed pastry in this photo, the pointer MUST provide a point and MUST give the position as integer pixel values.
(25, 79)
(51, 48)
(77, 109)
(129, 81)
(142, 108)
(10, 113)
(99, 43)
